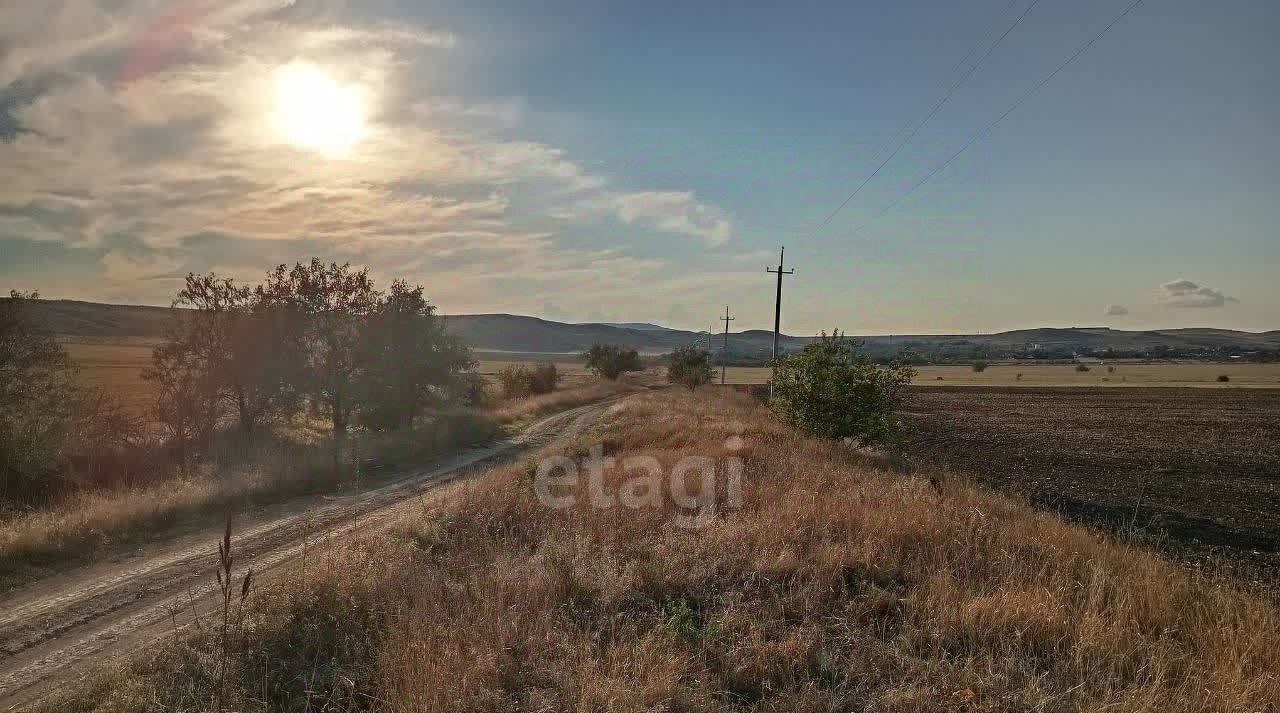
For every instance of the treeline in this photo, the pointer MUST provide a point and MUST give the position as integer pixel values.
(314, 339)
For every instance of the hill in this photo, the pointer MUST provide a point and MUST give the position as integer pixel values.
(518, 333)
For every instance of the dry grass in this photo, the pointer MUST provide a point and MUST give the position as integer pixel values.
(90, 524)
(840, 585)
(583, 391)
(1243, 375)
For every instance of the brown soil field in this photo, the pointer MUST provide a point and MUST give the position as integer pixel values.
(1196, 471)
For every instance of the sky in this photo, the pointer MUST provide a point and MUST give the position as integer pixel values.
(629, 161)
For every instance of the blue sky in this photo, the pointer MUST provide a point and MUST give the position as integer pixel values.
(643, 161)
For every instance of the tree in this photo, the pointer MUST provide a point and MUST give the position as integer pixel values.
(37, 402)
(411, 361)
(227, 333)
(689, 367)
(831, 389)
(186, 405)
(325, 310)
(611, 360)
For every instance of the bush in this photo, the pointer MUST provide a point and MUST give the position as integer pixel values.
(518, 380)
(833, 390)
(1223, 378)
(1081, 368)
(980, 366)
(544, 378)
(689, 367)
(514, 379)
(611, 360)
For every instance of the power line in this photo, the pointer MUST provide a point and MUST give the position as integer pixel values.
(991, 127)
(933, 111)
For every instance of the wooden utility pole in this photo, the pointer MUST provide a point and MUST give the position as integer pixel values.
(724, 350)
(777, 305)
(777, 310)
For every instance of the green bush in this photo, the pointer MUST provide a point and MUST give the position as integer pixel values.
(980, 366)
(689, 367)
(1081, 368)
(1223, 378)
(543, 378)
(612, 361)
(831, 389)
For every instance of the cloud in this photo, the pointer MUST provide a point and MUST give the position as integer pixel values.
(1117, 310)
(1185, 293)
(132, 125)
(676, 212)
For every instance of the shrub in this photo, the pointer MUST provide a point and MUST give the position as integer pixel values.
(1081, 368)
(1223, 378)
(1111, 370)
(689, 367)
(544, 378)
(473, 389)
(611, 360)
(515, 380)
(980, 366)
(833, 390)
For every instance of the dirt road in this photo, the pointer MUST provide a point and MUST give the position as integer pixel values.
(54, 630)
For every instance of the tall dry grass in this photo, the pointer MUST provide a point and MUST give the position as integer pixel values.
(840, 585)
(92, 523)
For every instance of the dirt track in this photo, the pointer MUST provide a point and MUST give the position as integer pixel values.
(53, 630)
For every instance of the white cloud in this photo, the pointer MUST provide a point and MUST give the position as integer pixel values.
(1185, 293)
(1117, 310)
(149, 129)
(676, 212)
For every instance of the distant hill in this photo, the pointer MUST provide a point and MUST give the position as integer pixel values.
(517, 333)
(642, 326)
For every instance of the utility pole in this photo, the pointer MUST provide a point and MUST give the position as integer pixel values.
(777, 309)
(777, 305)
(724, 350)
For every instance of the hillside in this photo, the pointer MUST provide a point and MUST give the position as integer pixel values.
(517, 333)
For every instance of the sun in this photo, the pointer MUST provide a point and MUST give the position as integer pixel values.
(314, 111)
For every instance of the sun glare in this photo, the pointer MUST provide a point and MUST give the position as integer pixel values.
(314, 111)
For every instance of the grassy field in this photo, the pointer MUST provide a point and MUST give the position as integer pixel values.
(1124, 374)
(838, 584)
(116, 367)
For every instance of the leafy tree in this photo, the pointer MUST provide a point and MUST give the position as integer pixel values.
(410, 360)
(227, 333)
(325, 310)
(612, 361)
(833, 390)
(186, 405)
(689, 367)
(37, 401)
